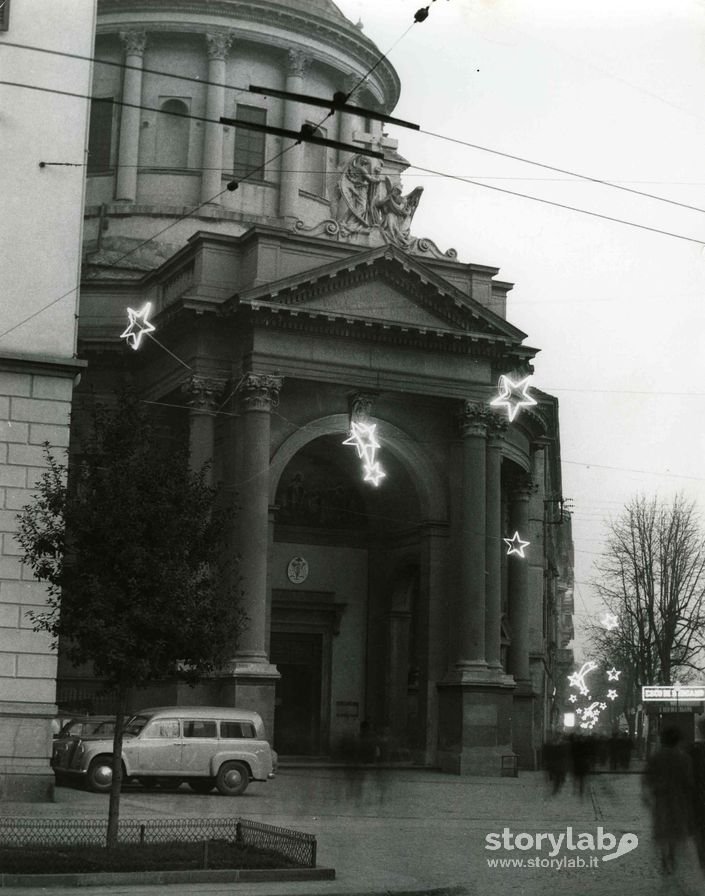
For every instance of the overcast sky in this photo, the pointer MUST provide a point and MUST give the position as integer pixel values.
(611, 89)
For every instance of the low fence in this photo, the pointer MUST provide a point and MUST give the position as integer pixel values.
(295, 846)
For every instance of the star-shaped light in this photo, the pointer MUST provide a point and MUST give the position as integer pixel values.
(611, 695)
(373, 473)
(603, 706)
(138, 325)
(362, 436)
(577, 679)
(513, 396)
(573, 698)
(613, 674)
(516, 545)
(610, 621)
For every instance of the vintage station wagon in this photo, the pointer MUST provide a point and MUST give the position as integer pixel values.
(205, 746)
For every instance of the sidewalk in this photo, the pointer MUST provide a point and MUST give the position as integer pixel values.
(410, 831)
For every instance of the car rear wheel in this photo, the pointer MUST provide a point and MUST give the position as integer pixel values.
(201, 785)
(99, 777)
(233, 778)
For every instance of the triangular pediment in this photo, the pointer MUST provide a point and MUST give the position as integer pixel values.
(386, 288)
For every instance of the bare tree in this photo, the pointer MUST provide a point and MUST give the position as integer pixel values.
(652, 579)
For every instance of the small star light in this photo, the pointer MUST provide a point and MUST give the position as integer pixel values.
(610, 621)
(373, 473)
(362, 436)
(516, 545)
(573, 698)
(613, 674)
(138, 325)
(603, 706)
(513, 396)
(611, 695)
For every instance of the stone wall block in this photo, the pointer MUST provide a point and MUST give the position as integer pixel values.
(13, 476)
(57, 436)
(52, 388)
(16, 498)
(16, 383)
(14, 432)
(36, 665)
(27, 455)
(40, 411)
(9, 616)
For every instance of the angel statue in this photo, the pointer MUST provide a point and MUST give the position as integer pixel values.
(393, 213)
(359, 181)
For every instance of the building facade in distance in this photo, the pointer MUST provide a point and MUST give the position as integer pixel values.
(43, 172)
(294, 309)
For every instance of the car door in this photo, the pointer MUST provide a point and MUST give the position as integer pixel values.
(200, 742)
(159, 750)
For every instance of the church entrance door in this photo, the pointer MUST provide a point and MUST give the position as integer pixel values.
(297, 718)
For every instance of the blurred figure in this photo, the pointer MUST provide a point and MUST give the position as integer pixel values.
(668, 789)
(582, 755)
(556, 761)
(697, 756)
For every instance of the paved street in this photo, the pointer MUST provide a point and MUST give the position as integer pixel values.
(404, 831)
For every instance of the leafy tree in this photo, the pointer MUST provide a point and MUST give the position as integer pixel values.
(652, 578)
(131, 547)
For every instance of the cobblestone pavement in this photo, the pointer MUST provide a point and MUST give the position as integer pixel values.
(406, 831)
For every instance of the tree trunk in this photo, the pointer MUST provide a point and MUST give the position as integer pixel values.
(114, 804)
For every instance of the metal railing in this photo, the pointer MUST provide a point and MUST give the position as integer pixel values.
(297, 848)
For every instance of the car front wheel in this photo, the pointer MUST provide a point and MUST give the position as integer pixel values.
(233, 778)
(99, 777)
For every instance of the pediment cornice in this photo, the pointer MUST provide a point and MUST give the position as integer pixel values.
(447, 309)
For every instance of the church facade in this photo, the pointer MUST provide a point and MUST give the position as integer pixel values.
(405, 565)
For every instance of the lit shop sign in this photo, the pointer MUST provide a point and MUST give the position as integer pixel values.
(671, 693)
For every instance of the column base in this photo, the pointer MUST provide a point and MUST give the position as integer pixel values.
(523, 738)
(250, 686)
(475, 723)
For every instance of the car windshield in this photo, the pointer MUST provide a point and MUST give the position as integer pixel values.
(136, 724)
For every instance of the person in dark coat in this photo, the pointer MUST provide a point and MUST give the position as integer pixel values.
(668, 790)
(697, 755)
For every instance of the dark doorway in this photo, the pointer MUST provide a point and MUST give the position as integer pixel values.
(297, 716)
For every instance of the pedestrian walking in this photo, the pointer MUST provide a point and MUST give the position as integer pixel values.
(668, 790)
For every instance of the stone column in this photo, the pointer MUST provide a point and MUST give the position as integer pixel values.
(347, 122)
(494, 544)
(128, 150)
(471, 618)
(211, 177)
(259, 394)
(203, 395)
(293, 159)
(518, 585)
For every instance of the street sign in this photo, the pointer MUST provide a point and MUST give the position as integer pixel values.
(673, 693)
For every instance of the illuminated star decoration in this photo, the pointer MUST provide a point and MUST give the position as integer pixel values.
(516, 545)
(138, 326)
(577, 679)
(603, 706)
(611, 695)
(613, 674)
(362, 436)
(573, 698)
(513, 396)
(610, 621)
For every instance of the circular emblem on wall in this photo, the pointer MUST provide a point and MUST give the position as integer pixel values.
(297, 570)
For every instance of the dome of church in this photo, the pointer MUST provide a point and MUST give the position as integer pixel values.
(168, 71)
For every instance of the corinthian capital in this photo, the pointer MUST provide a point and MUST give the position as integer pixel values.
(134, 41)
(297, 63)
(474, 419)
(203, 393)
(260, 392)
(361, 405)
(218, 45)
(523, 487)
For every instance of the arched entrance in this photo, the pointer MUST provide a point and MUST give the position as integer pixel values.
(344, 614)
